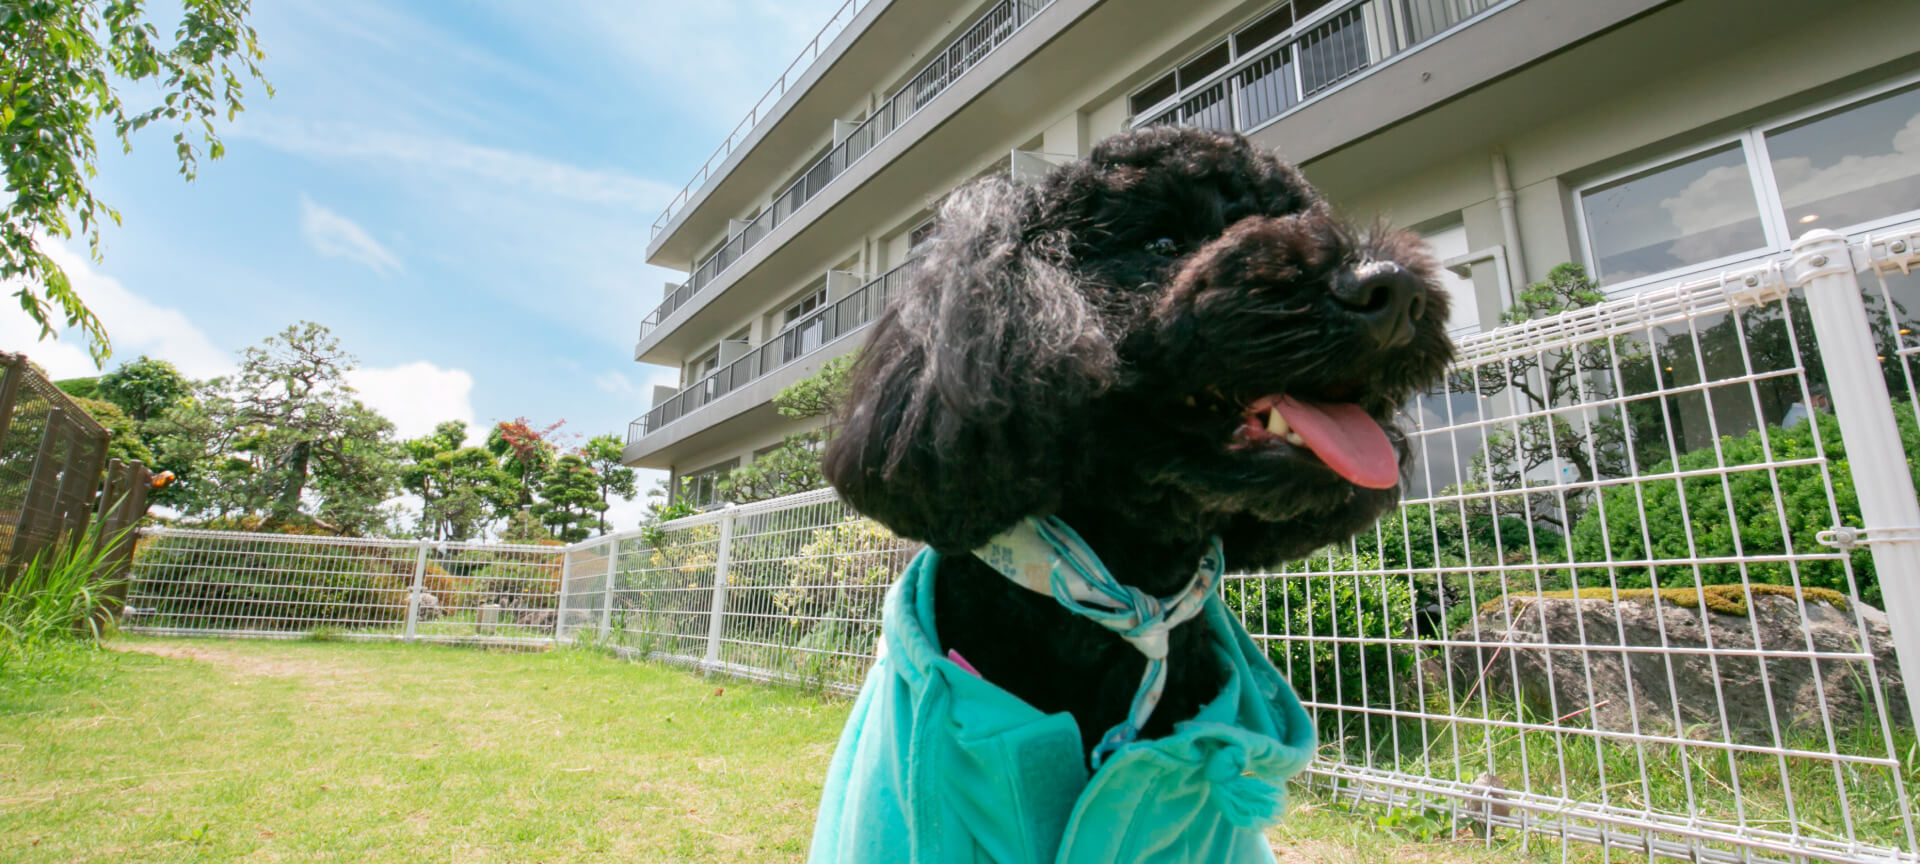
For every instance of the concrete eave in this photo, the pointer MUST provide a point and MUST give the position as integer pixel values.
(1416, 82)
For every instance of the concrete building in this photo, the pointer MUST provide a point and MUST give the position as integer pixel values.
(1643, 139)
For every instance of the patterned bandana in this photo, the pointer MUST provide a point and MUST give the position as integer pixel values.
(1043, 555)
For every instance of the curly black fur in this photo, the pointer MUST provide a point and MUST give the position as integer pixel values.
(1086, 347)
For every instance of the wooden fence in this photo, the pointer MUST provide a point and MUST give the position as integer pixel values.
(54, 473)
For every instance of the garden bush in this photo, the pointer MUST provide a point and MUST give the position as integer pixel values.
(1755, 521)
(1349, 601)
(843, 572)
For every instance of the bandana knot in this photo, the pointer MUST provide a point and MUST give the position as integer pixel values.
(1044, 555)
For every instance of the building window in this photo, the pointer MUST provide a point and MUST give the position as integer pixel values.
(700, 489)
(803, 328)
(918, 237)
(1210, 61)
(705, 365)
(1152, 95)
(1692, 211)
(1260, 32)
(1851, 166)
(806, 306)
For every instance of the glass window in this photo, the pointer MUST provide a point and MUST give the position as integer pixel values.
(919, 236)
(1206, 64)
(1850, 166)
(806, 306)
(1257, 33)
(1304, 8)
(706, 364)
(1152, 94)
(701, 488)
(1687, 212)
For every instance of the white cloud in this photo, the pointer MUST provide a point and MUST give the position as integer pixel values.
(336, 236)
(465, 161)
(416, 396)
(613, 382)
(135, 325)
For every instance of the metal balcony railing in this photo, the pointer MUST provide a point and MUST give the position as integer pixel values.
(801, 338)
(1297, 66)
(986, 34)
(841, 18)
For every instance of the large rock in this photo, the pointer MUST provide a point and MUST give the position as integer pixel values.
(1549, 646)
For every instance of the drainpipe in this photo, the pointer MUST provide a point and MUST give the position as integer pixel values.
(1509, 220)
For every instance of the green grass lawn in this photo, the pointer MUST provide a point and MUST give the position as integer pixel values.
(302, 751)
(176, 750)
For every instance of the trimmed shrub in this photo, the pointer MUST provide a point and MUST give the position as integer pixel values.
(1755, 519)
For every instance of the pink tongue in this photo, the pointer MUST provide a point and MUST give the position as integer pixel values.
(1345, 438)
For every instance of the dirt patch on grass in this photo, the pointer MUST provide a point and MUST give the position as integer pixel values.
(316, 672)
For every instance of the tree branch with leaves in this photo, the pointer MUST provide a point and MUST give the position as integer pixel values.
(63, 64)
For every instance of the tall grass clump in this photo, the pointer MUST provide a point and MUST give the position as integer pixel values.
(59, 598)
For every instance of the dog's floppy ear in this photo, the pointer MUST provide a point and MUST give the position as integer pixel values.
(965, 403)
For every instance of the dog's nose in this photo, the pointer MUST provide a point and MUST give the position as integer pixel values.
(1386, 297)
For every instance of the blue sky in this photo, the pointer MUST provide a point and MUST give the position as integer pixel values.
(462, 196)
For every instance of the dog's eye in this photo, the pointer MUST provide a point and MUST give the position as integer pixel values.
(1164, 246)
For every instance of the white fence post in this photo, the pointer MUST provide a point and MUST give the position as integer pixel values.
(560, 602)
(720, 563)
(1823, 263)
(413, 592)
(606, 602)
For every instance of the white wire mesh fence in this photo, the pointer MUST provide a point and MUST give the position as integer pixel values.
(1605, 611)
(786, 590)
(1631, 607)
(224, 583)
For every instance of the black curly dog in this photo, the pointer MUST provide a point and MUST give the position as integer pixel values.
(1106, 345)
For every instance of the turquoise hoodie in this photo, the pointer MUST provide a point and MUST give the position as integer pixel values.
(937, 766)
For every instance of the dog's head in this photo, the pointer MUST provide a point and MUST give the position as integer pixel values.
(1176, 326)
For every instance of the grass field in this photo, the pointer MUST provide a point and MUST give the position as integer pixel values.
(175, 750)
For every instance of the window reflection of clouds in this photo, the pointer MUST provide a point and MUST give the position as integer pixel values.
(1845, 169)
(1853, 166)
(1691, 211)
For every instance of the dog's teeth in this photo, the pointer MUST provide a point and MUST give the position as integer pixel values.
(1277, 424)
(1295, 439)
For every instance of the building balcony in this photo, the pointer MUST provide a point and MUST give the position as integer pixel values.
(1303, 66)
(947, 66)
(1307, 60)
(764, 110)
(801, 339)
